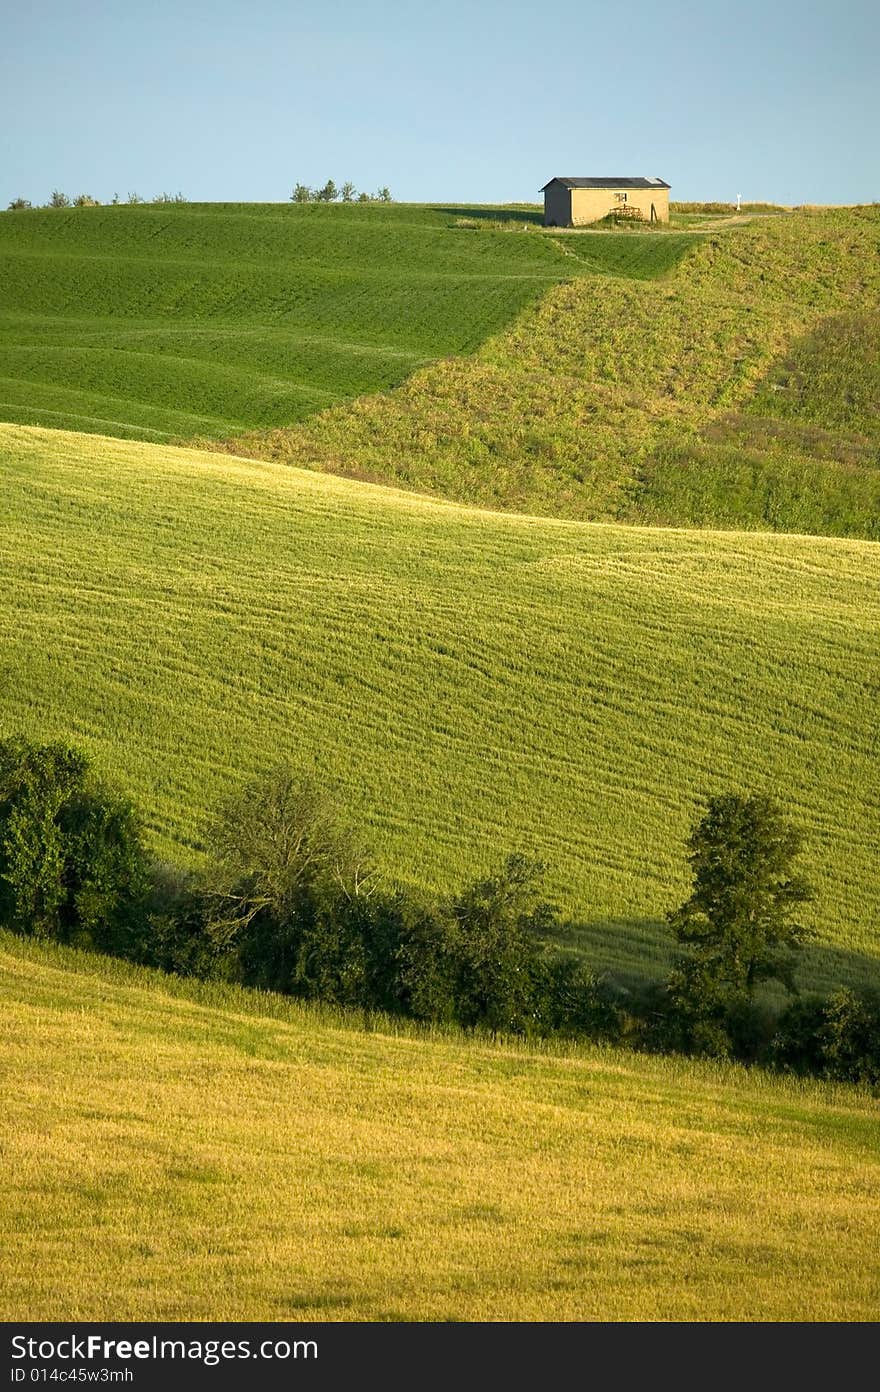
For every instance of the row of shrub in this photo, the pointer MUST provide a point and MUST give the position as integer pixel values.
(59, 199)
(329, 193)
(291, 902)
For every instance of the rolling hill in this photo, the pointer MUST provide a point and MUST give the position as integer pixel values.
(723, 375)
(471, 683)
(169, 321)
(175, 1152)
(468, 682)
(738, 389)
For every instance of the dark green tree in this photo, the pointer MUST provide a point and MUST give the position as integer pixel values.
(737, 925)
(837, 1036)
(347, 192)
(287, 865)
(498, 927)
(301, 194)
(19, 204)
(328, 194)
(72, 866)
(57, 199)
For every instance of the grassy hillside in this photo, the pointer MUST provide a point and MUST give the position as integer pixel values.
(606, 397)
(803, 452)
(470, 682)
(175, 1154)
(158, 322)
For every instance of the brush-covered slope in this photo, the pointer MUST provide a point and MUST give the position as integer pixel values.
(176, 1153)
(472, 683)
(606, 397)
(169, 321)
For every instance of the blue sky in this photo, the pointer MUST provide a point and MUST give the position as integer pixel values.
(475, 102)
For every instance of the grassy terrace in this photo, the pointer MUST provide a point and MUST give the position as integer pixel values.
(471, 682)
(163, 322)
(176, 1153)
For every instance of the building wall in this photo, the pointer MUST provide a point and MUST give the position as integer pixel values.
(588, 205)
(557, 206)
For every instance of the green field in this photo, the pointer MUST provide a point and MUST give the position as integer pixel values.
(178, 1153)
(471, 683)
(723, 375)
(203, 320)
(489, 646)
(738, 388)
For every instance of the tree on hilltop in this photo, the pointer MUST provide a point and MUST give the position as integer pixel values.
(57, 199)
(301, 194)
(328, 194)
(347, 192)
(18, 204)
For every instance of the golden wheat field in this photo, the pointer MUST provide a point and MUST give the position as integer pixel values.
(182, 1152)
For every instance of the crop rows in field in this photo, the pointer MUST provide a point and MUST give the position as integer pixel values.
(169, 322)
(471, 683)
(605, 399)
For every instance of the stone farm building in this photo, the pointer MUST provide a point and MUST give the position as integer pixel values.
(573, 202)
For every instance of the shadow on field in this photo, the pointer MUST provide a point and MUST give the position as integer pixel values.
(496, 214)
(634, 951)
(630, 950)
(825, 968)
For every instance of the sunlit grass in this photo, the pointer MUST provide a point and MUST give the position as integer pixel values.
(202, 320)
(595, 402)
(469, 682)
(186, 1154)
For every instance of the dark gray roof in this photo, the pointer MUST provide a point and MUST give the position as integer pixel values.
(608, 183)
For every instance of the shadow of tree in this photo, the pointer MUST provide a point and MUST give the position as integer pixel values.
(635, 951)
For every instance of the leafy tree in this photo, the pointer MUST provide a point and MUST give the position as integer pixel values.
(498, 925)
(18, 204)
(347, 192)
(427, 959)
(384, 196)
(573, 1002)
(177, 939)
(285, 861)
(301, 194)
(737, 924)
(85, 200)
(364, 198)
(328, 194)
(837, 1036)
(72, 866)
(57, 199)
(134, 198)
